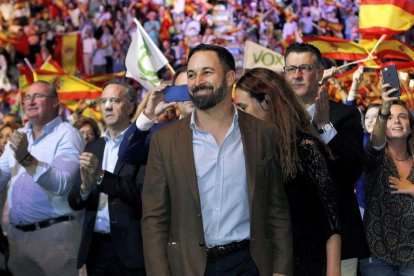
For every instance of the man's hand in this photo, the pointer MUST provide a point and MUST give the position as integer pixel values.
(357, 76)
(89, 169)
(19, 144)
(156, 98)
(321, 115)
(327, 74)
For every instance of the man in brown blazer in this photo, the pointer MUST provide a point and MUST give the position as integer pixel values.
(213, 200)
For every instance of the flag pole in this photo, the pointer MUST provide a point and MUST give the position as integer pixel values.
(170, 68)
(370, 55)
(28, 64)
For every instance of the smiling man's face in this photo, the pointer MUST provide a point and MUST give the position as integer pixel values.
(207, 82)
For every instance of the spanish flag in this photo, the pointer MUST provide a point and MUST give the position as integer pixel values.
(337, 48)
(69, 87)
(332, 26)
(385, 16)
(166, 24)
(390, 49)
(51, 66)
(100, 80)
(19, 42)
(68, 52)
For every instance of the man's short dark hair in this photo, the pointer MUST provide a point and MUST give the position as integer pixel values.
(130, 93)
(304, 48)
(225, 57)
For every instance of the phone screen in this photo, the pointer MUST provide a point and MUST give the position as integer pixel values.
(177, 93)
(390, 75)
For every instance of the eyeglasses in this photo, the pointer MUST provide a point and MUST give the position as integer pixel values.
(303, 68)
(36, 96)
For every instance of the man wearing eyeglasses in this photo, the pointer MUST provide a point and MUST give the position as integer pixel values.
(42, 163)
(339, 127)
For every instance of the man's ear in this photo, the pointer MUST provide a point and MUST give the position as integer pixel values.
(230, 78)
(56, 104)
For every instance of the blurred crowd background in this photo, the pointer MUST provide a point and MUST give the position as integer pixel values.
(30, 31)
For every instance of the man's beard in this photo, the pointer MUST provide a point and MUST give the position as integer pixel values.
(204, 102)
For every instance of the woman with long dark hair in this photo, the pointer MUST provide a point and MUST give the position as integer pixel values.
(389, 191)
(304, 160)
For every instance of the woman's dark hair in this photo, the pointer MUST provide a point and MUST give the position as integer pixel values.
(287, 112)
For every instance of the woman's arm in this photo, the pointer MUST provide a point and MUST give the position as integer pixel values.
(333, 254)
(378, 133)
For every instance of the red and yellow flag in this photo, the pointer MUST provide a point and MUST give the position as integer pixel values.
(69, 87)
(100, 80)
(51, 65)
(385, 16)
(166, 24)
(337, 48)
(332, 26)
(390, 49)
(68, 52)
(19, 43)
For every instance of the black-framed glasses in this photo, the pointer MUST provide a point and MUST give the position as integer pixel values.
(36, 96)
(303, 68)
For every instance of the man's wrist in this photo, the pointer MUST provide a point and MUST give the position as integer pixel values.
(27, 160)
(149, 115)
(100, 177)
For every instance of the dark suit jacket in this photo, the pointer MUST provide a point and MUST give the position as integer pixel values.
(347, 149)
(172, 224)
(123, 188)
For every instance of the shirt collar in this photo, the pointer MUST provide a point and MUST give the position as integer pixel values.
(193, 124)
(119, 137)
(48, 127)
(311, 110)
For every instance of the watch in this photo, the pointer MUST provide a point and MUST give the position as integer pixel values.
(100, 178)
(325, 128)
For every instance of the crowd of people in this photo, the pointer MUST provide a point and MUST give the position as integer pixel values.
(106, 27)
(260, 173)
(245, 184)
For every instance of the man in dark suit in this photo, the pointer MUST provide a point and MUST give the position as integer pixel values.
(110, 192)
(213, 197)
(341, 130)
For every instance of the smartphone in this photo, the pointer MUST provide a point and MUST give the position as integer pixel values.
(390, 75)
(176, 93)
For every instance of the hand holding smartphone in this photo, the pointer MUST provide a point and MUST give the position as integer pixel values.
(390, 75)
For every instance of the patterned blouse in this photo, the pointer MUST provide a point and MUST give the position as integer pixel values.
(389, 218)
(313, 207)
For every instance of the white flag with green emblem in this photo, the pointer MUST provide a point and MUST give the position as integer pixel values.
(144, 59)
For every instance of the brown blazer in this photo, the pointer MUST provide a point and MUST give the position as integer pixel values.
(172, 225)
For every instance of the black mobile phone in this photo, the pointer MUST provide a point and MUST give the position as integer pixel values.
(390, 75)
(176, 93)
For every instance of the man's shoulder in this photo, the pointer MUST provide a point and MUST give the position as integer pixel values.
(168, 129)
(341, 108)
(340, 111)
